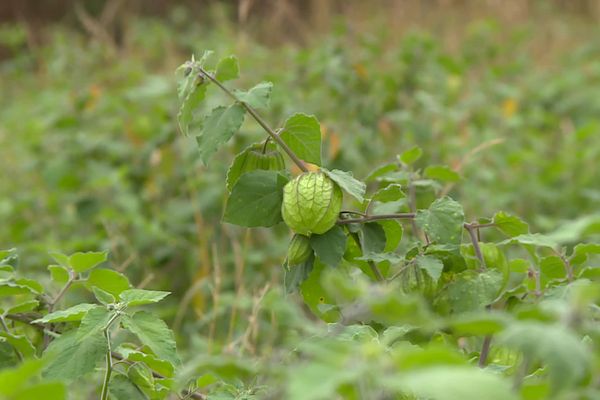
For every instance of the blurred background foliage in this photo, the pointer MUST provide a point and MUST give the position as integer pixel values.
(507, 93)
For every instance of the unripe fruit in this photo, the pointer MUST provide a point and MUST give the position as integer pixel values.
(256, 156)
(311, 203)
(299, 250)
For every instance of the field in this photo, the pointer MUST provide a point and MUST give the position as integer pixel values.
(145, 253)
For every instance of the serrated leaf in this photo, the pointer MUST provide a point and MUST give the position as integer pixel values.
(582, 251)
(185, 116)
(24, 306)
(13, 288)
(108, 280)
(566, 356)
(163, 367)
(433, 266)
(510, 225)
(411, 155)
(257, 97)
(256, 199)
(389, 193)
(219, 127)
(154, 333)
(75, 313)
(33, 285)
(77, 352)
(348, 183)
(227, 69)
(441, 173)
(302, 133)
(330, 246)
(443, 221)
(81, 262)
(138, 297)
(452, 383)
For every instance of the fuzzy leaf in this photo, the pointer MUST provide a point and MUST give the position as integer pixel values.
(219, 127)
(302, 133)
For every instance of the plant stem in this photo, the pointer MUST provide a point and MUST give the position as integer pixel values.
(485, 351)
(471, 228)
(374, 269)
(109, 365)
(5, 327)
(368, 218)
(258, 119)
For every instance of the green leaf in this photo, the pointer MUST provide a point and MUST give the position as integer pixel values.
(19, 342)
(432, 265)
(108, 280)
(302, 133)
(219, 127)
(531, 239)
(185, 116)
(9, 257)
(77, 353)
(81, 262)
(330, 246)
(582, 251)
(348, 183)
(452, 383)
(509, 224)
(296, 274)
(33, 285)
(551, 268)
(228, 68)
(316, 297)
(256, 199)
(477, 323)
(443, 221)
(257, 97)
(472, 291)
(381, 171)
(154, 333)
(60, 258)
(372, 238)
(103, 296)
(566, 356)
(389, 193)
(44, 390)
(411, 155)
(121, 388)
(393, 234)
(13, 380)
(13, 289)
(441, 173)
(381, 257)
(189, 74)
(24, 306)
(59, 273)
(240, 164)
(163, 367)
(138, 297)
(75, 313)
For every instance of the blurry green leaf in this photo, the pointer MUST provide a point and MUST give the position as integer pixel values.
(138, 297)
(348, 183)
(330, 246)
(296, 274)
(256, 199)
(13, 380)
(477, 323)
(19, 342)
(228, 68)
(219, 127)
(59, 274)
(81, 262)
(44, 390)
(393, 234)
(9, 257)
(443, 221)
(302, 133)
(24, 306)
(509, 224)
(121, 388)
(60, 258)
(452, 383)
(141, 376)
(567, 358)
(381, 257)
(13, 289)
(316, 297)
(551, 268)
(33, 285)
(432, 265)
(257, 97)
(372, 238)
(431, 355)
(411, 155)
(381, 171)
(163, 367)
(531, 239)
(154, 333)
(471, 291)
(103, 296)
(391, 192)
(108, 280)
(441, 173)
(75, 313)
(582, 251)
(77, 352)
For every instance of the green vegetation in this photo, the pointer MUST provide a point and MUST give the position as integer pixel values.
(145, 216)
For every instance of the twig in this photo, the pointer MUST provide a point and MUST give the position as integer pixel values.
(258, 119)
(372, 265)
(472, 228)
(369, 218)
(109, 365)
(485, 351)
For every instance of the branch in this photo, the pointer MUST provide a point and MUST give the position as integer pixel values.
(472, 228)
(369, 218)
(258, 119)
